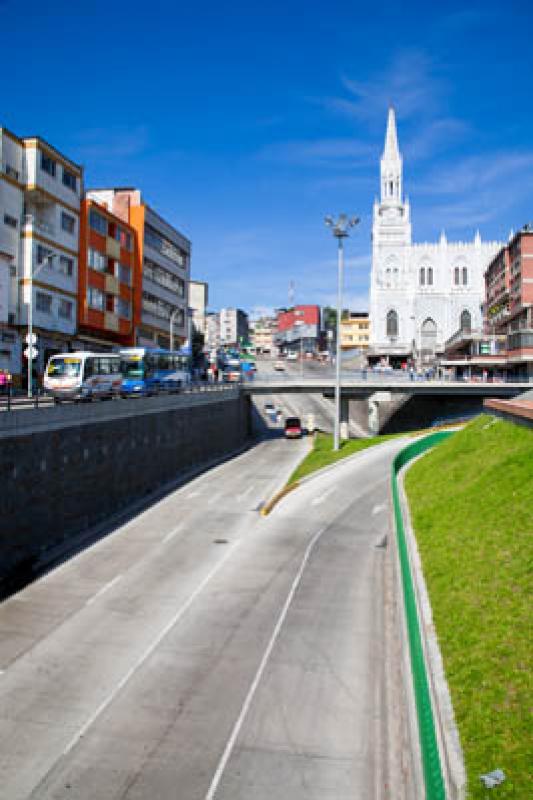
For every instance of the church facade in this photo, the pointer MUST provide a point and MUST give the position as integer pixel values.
(420, 294)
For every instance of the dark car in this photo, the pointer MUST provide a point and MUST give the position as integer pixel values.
(293, 428)
(231, 375)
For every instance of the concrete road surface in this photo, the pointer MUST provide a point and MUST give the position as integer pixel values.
(203, 651)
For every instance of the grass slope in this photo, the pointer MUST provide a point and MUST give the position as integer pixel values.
(471, 501)
(323, 454)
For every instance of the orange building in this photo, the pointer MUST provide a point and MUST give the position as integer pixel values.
(109, 278)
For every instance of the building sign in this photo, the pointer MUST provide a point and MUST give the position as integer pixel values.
(4, 291)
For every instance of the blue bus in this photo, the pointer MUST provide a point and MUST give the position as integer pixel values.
(147, 371)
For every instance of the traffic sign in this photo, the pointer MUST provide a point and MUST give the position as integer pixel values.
(34, 353)
(33, 338)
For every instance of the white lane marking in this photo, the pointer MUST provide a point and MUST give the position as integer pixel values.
(148, 652)
(172, 533)
(323, 497)
(258, 675)
(378, 509)
(103, 590)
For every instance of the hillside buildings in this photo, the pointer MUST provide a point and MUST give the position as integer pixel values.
(198, 301)
(233, 327)
(262, 334)
(299, 329)
(355, 331)
(420, 294)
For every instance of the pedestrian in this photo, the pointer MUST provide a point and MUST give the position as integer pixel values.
(411, 373)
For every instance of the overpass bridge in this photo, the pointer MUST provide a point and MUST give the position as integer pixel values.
(358, 388)
(386, 404)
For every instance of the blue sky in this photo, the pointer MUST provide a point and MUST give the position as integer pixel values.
(244, 126)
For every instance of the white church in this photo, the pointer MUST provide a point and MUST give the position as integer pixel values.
(420, 294)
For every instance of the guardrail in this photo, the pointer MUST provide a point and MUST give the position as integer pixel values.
(11, 401)
(431, 761)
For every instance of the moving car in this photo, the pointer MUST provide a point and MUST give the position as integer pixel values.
(231, 375)
(293, 428)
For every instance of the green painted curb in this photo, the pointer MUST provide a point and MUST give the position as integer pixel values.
(431, 763)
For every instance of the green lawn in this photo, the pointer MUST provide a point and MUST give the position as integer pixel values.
(471, 499)
(323, 454)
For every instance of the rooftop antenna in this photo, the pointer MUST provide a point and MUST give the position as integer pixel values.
(291, 294)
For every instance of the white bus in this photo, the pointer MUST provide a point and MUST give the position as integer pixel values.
(83, 376)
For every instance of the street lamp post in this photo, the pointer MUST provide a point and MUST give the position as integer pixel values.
(339, 228)
(47, 260)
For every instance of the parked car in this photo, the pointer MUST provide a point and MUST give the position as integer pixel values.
(293, 428)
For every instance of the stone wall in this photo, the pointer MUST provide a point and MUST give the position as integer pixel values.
(58, 482)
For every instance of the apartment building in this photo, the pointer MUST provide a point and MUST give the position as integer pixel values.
(11, 210)
(109, 274)
(163, 264)
(508, 304)
(355, 331)
(212, 324)
(233, 327)
(39, 208)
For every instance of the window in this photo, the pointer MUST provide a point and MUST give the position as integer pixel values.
(124, 308)
(65, 309)
(97, 222)
(164, 246)
(44, 254)
(12, 172)
(465, 276)
(466, 321)
(9, 220)
(422, 279)
(69, 180)
(44, 302)
(13, 271)
(123, 237)
(456, 276)
(124, 274)
(95, 298)
(97, 260)
(430, 276)
(66, 265)
(48, 165)
(392, 323)
(68, 223)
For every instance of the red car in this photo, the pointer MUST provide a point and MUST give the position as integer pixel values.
(293, 428)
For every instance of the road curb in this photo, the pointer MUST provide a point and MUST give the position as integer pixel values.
(267, 508)
(442, 761)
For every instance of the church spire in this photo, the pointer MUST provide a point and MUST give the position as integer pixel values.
(391, 165)
(391, 151)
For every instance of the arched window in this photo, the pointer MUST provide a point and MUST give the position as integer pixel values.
(430, 276)
(465, 276)
(422, 276)
(428, 339)
(466, 321)
(456, 276)
(392, 323)
(391, 188)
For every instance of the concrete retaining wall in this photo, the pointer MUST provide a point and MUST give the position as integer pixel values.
(56, 483)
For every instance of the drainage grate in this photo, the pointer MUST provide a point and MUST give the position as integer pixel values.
(220, 541)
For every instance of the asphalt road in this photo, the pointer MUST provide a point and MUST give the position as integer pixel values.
(203, 651)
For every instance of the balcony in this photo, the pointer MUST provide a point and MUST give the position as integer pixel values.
(111, 322)
(112, 285)
(33, 224)
(112, 248)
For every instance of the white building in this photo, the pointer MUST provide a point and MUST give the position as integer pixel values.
(233, 327)
(420, 294)
(198, 300)
(40, 192)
